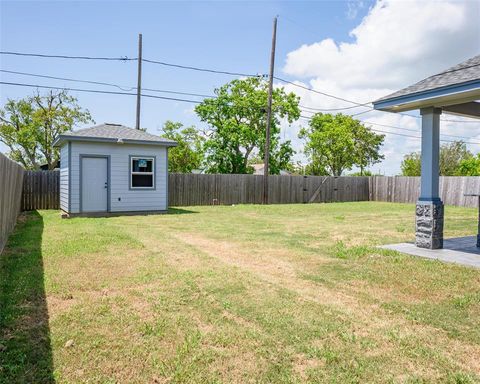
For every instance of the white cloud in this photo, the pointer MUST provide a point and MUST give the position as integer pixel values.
(396, 44)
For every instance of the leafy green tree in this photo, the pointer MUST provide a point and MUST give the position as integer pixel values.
(237, 122)
(29, 126)
(367, 146)
(189, 153)
(335, 143)
(470, 166)
(315, 167)
(411, 164)
(452, 156)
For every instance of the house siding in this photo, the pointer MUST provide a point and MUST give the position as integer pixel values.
(130, 199)
(64, 161)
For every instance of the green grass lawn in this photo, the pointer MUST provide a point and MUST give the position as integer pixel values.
(236, 294)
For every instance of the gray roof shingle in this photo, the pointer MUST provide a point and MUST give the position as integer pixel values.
(114, 132)
(464, 72)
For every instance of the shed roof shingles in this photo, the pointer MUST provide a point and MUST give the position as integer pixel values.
(461, 73)
(116, 131)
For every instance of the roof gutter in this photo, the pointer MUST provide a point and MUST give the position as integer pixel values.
(61, 138)
(438, 97)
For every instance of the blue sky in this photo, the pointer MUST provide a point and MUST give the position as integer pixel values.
(234, 36)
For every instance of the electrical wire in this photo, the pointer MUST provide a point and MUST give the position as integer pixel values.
(324, 93)
(356, 105)
(121, 87)
(101, 92)
(201, 69)
(415, 130)
(178, 99)
(361, 113)
(401, 134)
(328, 109)
(68, 79)
(123, 58)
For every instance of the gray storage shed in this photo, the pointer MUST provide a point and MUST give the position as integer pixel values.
(111, 168)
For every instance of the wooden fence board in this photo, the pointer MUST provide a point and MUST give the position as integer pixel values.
(11, 184)
(402, 189)
(41, 190)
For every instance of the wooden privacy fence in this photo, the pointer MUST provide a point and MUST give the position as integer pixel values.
(403, 189)
(11, 182)
(41, 190)
(193, 189)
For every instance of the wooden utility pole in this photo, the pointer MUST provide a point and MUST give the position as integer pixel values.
(139, 80)
(269, 115)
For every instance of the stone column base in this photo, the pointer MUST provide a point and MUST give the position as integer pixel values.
(429, 224)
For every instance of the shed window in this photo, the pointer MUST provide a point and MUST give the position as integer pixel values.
(142, 172)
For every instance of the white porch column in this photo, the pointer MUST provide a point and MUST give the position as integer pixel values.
(429, 211)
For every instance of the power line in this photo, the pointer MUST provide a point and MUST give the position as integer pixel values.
(418, 137)
(327, 109)
(198, 102)
(165, 98)
(122, 87)
(361, 113)
(68, 79)
(401, 134)
(130, 88)
(457, 69)
(305, 109)
(201, 69)
(414, 130)
(356, 104)
(125, 58)
(370, 109)
(324, 93)
(102, 92)
(188, 67)
(122, 58)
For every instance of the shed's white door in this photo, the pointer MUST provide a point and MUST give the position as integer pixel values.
(94, 184)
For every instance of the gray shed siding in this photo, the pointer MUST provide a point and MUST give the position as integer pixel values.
(64, 159)
(130, 199)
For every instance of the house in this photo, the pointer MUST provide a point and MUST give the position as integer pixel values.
(112, 169)
(258, 170)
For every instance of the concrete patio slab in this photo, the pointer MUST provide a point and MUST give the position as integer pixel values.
(459, 250)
